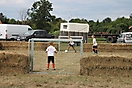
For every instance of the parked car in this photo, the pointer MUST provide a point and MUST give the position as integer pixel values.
(125, 37)
(35, 34)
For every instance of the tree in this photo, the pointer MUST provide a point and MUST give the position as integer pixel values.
(131, 16)
(40, 15)
(77, 20)
(122, 27)
(55, 25)
(107, 20)
(3, 18)
(23, 16)
(12, 21)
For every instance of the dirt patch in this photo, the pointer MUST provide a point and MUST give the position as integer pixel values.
(13, 63)
(101, 65)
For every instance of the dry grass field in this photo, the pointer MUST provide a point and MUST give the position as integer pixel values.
(66, 74)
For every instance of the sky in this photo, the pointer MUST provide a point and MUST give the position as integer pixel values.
(71, 9)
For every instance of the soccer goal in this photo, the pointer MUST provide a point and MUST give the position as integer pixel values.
(31, 48)
(66, 37)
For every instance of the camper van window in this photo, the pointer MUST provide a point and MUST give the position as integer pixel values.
(64, 26)
(29, 29)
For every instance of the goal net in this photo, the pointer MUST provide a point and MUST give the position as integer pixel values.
(31, 48)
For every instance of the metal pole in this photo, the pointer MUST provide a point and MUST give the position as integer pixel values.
(29, 56)
(59, 44)
(81, 49)
(32, 55)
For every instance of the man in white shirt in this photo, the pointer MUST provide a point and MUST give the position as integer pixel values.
(51, 50)
(95, 45)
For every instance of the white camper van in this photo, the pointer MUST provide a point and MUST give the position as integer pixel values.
(74, 27)
(12, 31)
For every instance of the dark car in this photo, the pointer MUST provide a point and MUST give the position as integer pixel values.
(35, 34)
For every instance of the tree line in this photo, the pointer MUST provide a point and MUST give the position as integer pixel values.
(39, 17)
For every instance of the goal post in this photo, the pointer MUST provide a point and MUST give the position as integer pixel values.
(31, 48)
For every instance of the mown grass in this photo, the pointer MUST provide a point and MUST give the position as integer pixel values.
(99, 40)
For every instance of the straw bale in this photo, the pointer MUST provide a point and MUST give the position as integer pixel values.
(20, 45)
(13, 63)
(111, 65)
(108, 47)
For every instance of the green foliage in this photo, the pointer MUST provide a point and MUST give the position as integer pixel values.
(131, 16)
(55, 24)
(40, 18)
(3, 18)
(56, 33)
(40, 14)
(112, 27)
(77, 20)
(12, 21)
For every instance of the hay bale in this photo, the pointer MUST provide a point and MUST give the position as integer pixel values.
(106, 65)
(43, 45)
(108, 47)
(13, 63)
(21, 45)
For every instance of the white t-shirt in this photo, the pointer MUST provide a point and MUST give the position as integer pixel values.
(50, 50)
(71, 42)
(94, 42)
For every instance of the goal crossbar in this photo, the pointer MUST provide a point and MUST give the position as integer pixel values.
(31, 48)
(79, 37)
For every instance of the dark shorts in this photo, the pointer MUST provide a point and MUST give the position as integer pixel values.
(95, 46)
(71, 45)
(50, 58)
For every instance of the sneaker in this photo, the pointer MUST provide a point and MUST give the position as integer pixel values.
(54, 69)
(47, 69)
(96, 53)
